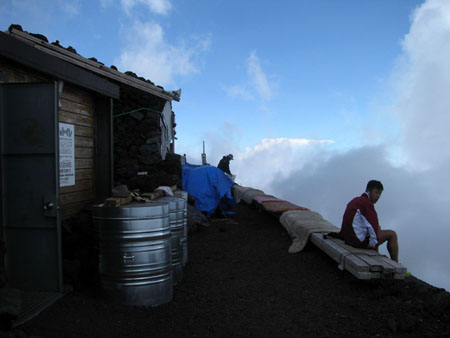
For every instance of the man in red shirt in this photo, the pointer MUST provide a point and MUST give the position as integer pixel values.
(360, 226)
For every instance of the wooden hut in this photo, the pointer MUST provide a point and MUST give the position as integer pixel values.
(57, 143)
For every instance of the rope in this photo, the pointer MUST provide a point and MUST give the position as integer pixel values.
(136, 110)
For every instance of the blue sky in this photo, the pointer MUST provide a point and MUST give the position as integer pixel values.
(292, 69)
(313, 98)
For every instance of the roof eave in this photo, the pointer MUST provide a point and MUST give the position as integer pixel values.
(92, 66)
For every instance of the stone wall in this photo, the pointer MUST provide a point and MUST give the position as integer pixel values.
(137, 144)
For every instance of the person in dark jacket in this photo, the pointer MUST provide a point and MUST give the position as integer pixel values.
(360, 226)
(224, 164)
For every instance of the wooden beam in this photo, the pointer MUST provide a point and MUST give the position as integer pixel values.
(363, 264)
(345, 259)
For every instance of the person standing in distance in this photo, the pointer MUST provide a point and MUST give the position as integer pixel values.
(224, 164)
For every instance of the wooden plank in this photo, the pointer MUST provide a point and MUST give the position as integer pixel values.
(73, 94)
(374, 264)
(387, 268)
(84, 152)
(84, 142)
(360, 264)
(398, 268)
(76, 108)
(82, 174)
(84, 163)
(376, 260)
(338, 253)
(68, 117)
(79, 186)
(345, 259)
(84, 131)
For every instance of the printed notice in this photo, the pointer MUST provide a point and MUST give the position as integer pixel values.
(66, 155)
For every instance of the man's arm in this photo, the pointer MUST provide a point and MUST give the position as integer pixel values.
(362, 227)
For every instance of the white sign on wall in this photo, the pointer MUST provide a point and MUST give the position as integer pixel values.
(66, 155)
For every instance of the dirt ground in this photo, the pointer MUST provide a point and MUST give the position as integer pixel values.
(241, 281)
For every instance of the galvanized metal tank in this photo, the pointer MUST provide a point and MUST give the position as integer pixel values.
(135, 253)
(184, 194)
(176, 216)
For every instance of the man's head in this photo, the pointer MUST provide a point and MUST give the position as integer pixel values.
(230, 156)
(374, 189)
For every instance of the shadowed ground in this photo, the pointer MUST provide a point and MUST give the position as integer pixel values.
(241, 281)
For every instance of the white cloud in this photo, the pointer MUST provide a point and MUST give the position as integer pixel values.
(159, 6)
(239, 91)
(422, 82)
(148, 54)
(257, 84)
(162, 7)
(71, 8)
(258, 77)
(106, 3)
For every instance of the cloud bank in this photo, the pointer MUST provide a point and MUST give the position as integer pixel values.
(414, 202)
(422, 81)
(275, 158)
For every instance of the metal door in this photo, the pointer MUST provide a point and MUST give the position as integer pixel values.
(30, 185)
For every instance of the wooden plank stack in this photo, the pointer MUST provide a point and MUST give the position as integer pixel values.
(362, 263)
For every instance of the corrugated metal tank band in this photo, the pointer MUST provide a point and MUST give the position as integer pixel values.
(135, 252)
(184, 194)
(177, 207)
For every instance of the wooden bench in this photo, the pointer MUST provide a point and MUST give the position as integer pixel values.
(361, 263)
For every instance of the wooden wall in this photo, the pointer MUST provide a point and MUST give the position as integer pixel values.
(77, 108)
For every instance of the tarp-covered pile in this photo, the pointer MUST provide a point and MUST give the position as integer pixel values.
(210, 187)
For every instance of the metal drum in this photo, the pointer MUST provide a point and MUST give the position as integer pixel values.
(176, 216)
(135, 253)
(184, 194)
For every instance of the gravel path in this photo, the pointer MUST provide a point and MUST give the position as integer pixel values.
(241, 281)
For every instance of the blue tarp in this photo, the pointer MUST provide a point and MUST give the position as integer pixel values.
(210, 186)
